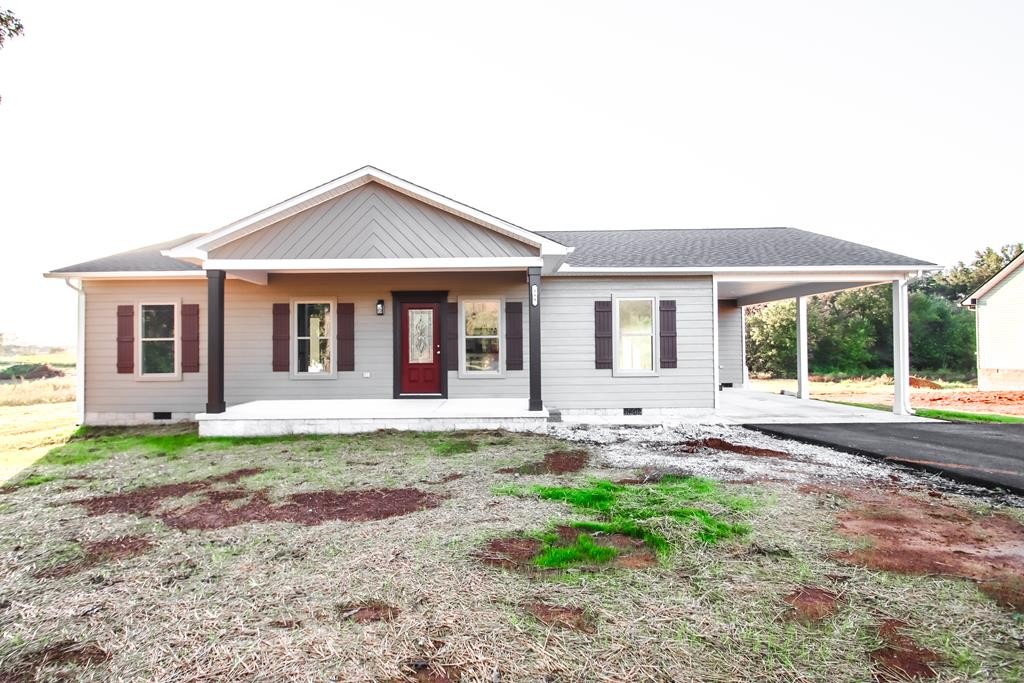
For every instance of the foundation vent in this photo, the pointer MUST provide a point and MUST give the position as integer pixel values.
(161, 416)
(632, 411)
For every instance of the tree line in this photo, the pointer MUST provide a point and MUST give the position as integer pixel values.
(849, 333)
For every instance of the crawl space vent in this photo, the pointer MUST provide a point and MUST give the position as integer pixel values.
(161, 416)
(632, 411)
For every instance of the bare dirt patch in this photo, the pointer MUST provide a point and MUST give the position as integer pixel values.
(556, 462)
(310, 509)
(572, 618)
(901, 658)
(512, 552)
(912, 535)
(25, 668)
(717, 444)
(222, 508)
(371, 610)
(811, 604)
(100, 552)
(425, 671)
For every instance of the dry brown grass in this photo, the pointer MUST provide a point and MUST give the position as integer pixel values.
(27, 433)
(263, 601)
(31, 392)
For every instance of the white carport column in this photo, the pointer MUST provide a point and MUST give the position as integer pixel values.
(803, 386)
(901, 348)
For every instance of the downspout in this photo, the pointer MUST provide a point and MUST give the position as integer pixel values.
(79, 352)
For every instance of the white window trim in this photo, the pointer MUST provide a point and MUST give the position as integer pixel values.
(293, 338)
(655, 345)
(161, 376)
(476, 374)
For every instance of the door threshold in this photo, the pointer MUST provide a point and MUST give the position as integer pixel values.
(421, 396)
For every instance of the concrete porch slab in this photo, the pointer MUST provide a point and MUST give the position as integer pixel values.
(351, 416)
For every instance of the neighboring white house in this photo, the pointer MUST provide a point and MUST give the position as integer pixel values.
(998, 305)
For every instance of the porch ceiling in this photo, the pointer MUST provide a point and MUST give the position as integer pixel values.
(748, 293)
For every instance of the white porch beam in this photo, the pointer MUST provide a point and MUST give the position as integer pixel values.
(256, 277)
(901, 348)
(807, 289)
(803, 386)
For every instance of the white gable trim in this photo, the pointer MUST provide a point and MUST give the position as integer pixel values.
(327, 265)
(200, 247)
(1006, 272)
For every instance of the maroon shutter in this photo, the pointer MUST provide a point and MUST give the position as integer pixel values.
(126, 339)
(346, 337)
(452, 335)
(513, 335)
(282, 315)
(190, 337)
(668, 333)
(603, 335)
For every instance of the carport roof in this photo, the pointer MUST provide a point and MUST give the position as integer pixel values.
(720, 248)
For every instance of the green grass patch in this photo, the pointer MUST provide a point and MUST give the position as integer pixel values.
(583, 550)
(455, 446)
(33, 479)
(959, 416)
(631, 510)
(935, 414)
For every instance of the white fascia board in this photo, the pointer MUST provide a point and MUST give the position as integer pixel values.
(1007, 270)
(381, 264)
(339, 186)
(748, 273)
(133, 275)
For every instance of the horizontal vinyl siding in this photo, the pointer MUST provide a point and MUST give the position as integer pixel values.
(372, 221)
(106, 391)
(570, 380)
(730, 343)
(1001, 325)
(247, 353)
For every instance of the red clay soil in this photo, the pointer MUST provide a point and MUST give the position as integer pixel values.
(310, 509)
(723, 445)
(229, 507)
(64, 652)
(912, 535)
(97, 553)
(556, 462)
(572, 618)
(967, 400)
(518, 552)
(811, 604)
(371, 610)
(425, 671)
(922, 383)
(901, 658)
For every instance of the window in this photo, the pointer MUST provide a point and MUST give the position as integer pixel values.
(481, 337)
(634, 336)
(158, 345)
(314, 339)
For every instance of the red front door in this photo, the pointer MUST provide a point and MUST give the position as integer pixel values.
(421, 349)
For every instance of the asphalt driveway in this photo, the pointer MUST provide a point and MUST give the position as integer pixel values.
(985, 454)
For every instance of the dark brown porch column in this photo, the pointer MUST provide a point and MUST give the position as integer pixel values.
(533, 289)
(215, 341)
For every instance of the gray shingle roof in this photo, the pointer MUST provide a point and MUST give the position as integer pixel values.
(141, 259)
(720, 248)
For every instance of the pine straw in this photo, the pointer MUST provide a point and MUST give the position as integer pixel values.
(261, 601)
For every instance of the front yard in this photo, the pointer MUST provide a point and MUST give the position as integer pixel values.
(582, 556)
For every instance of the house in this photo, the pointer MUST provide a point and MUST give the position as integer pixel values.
(337, 309)
(1000, 328)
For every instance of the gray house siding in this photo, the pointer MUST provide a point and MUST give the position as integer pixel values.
(730, 343)
(1000, 330)
(248, 374)
(372, 221)
(123, 398)
(570, 381)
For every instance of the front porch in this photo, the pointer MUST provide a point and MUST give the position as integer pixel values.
(351, 416)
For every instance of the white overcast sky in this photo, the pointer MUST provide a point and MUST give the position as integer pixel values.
(897, 124)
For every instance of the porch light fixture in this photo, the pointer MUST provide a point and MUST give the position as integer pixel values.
(533, 295)
(380, 306)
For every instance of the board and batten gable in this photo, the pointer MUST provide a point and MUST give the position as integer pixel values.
(121, 398)
(570, 380)
(1000, 324)
(372, 221)
(731, 355)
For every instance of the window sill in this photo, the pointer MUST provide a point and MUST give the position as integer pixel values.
(313, 376)
(634, 373)
(481, 375)
(169, 377)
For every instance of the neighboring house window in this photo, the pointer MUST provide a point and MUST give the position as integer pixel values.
(480, 332)
(314, 339)
(158, 340)
(634, 336)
